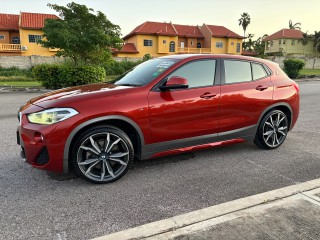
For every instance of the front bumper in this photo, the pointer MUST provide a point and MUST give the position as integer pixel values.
(42, 146)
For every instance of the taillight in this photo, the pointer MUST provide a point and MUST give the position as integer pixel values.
(296, 86)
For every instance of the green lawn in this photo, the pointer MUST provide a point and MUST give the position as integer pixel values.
(307, 71)
(20, 84)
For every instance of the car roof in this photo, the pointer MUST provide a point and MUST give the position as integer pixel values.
(225, 56)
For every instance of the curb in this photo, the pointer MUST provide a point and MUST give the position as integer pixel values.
(180, 221)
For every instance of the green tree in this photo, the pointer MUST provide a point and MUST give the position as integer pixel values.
(244, 21)
(294, 26)
(305, 39)
(81, 34)
(249, 44)
(317, 42)
(259, 46)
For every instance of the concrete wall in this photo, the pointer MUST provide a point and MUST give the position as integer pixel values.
(25, 62)
(310, 62)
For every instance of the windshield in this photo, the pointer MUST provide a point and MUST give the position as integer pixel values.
(145, 72)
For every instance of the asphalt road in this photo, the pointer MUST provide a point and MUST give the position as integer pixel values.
(38, 205)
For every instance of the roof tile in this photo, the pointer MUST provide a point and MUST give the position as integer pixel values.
(154, 28)
(9, 22)
(128, 48)
(188, 31)
(220, 31)
(34, 20)
(285, 33)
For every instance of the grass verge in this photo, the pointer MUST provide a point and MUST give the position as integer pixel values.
(307, 71)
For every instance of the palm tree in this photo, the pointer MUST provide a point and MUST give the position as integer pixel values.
(244, 21)
(294, 26)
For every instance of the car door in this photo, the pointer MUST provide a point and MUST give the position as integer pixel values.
(182, 114)
(246, 91)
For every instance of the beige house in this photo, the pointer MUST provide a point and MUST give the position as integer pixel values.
(287, 42)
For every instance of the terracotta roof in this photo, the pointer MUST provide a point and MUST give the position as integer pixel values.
(34, 20)
(9, 21)
(128, 48)
(188, 31)
(285, 33)
(153, 28)
(220, 31)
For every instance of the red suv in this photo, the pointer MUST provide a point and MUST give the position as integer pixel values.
(163, 106)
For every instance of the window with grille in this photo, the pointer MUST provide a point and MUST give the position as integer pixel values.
(34, 38)
(219, 44)
(172, 46)
(15, 40)
(147, 43)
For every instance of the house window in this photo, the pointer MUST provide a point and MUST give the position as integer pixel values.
(292, 42)
(172, 46)
(232, 43)
(198, 45)
(191, 43)
(34, 38)
(280, 42)
(238, 47)
(2, 37)
(271, 43)
(219, 44)
(15, 40)
(164, 41)
(147, 43)
(284, 41)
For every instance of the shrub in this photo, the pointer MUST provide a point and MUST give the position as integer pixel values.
(146, 57)
(117, 68)
(292, 67)
(60, 76)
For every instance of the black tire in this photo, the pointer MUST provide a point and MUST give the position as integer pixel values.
(272, 130)
(102, 154)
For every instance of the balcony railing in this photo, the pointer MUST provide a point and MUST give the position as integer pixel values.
(10, 48)
(194, 50)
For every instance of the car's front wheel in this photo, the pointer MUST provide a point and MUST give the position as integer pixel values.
(272, 130)
(102, 154)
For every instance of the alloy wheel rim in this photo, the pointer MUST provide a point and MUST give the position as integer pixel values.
(275, 129)
(103, 156)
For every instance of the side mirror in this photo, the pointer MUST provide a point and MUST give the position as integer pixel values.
(175, 82)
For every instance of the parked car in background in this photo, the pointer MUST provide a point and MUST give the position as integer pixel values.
(163, 106)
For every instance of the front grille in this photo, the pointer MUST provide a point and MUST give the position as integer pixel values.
(43, 156)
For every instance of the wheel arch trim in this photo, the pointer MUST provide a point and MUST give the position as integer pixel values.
(279, 104)
(93, 121)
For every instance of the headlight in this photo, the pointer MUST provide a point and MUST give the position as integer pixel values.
(51, 116)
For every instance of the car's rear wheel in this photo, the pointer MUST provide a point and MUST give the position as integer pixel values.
(102, 154)
(272, 130)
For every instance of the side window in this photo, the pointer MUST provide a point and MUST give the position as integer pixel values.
(199, 73)
(258, 71)
(237, 71)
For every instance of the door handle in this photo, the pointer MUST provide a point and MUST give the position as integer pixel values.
(261, 88)
(208, 95)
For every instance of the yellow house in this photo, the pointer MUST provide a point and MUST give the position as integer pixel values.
(160, 39)
(221, 40)
(19, 34)
(288, 42)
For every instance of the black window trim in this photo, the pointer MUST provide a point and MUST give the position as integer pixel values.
(222, 70)
(216, 80)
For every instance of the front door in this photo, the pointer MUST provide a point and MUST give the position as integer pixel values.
(186, 113)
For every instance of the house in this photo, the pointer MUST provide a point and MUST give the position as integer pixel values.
(19, 34)
(160, 39)
(288, 42)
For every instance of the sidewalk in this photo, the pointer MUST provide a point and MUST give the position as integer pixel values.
(287, 213)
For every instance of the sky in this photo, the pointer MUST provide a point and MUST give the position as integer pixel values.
(267, 17)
